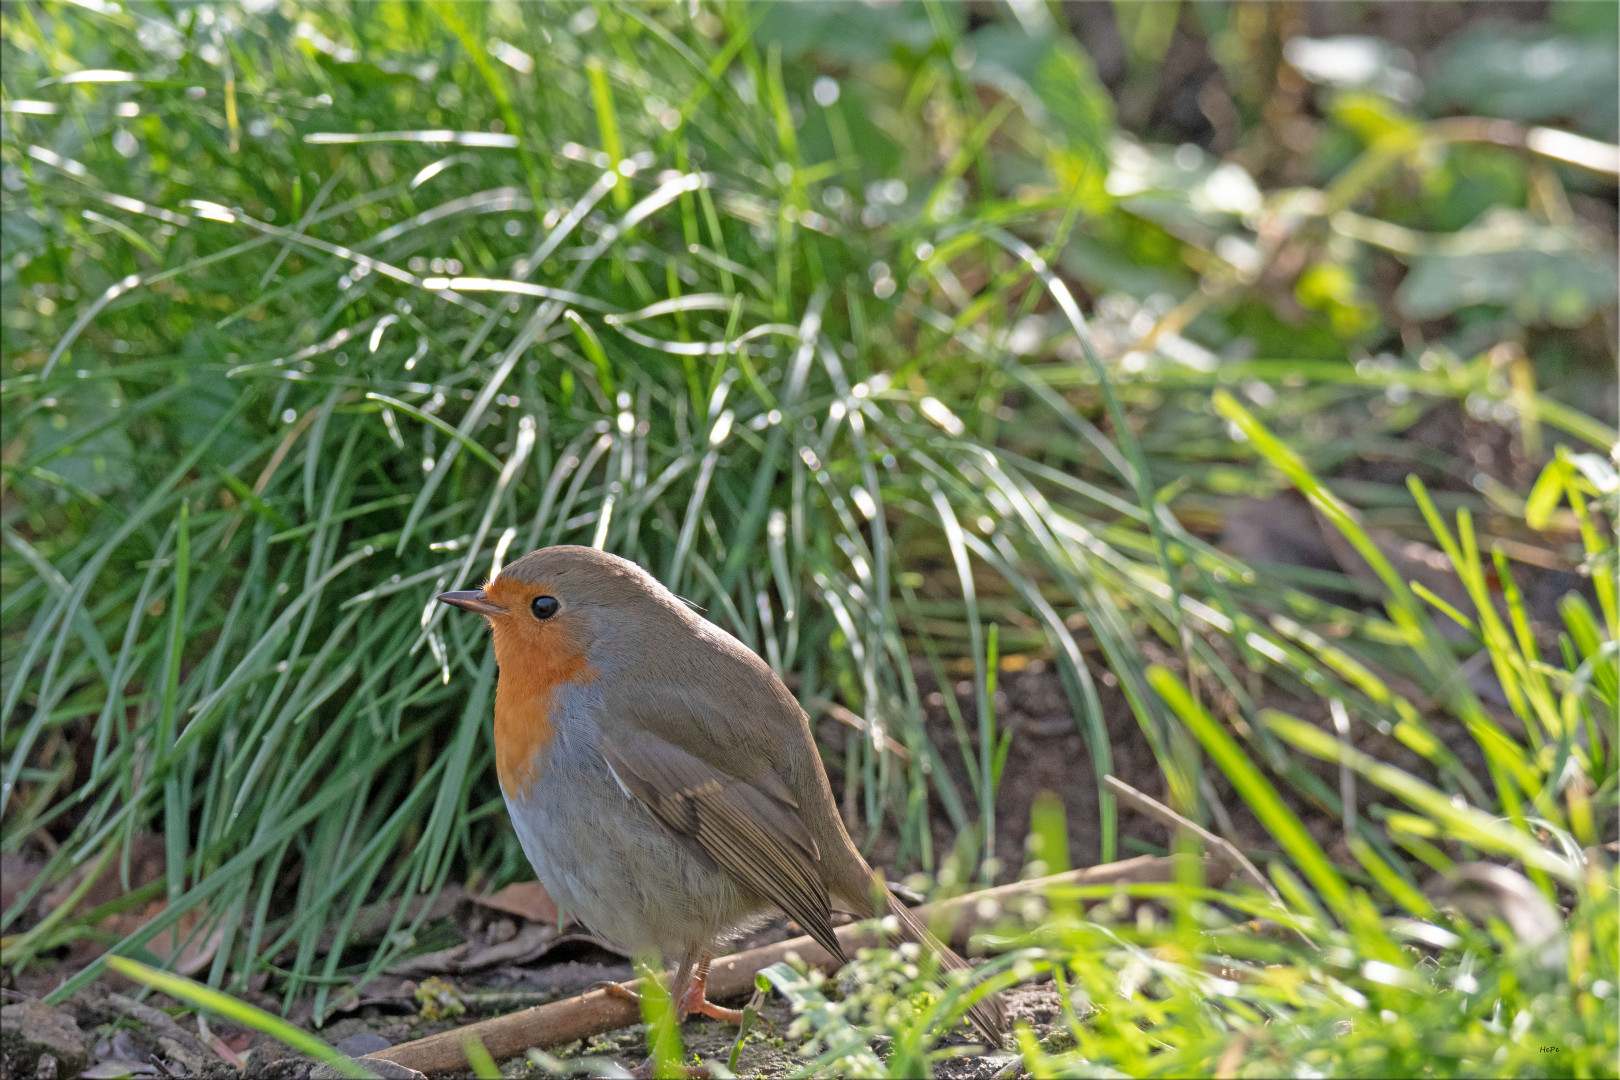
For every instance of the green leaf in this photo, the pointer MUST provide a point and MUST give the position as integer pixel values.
(1057, 87)
(850, 31)
(1049, 832)
(483, 1066)
(788, 981)
(1540, 273)
(1531, 75)
(1547, 493)
(592, 345)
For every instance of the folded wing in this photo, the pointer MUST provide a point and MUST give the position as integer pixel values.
(757, 838)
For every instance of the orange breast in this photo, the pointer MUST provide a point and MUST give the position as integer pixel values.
(535, 662)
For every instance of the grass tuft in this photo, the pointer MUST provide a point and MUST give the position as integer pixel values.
(315, 311)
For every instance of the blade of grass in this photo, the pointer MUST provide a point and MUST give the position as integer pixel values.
(240, 1012)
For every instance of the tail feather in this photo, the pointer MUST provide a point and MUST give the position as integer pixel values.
(989, 1014)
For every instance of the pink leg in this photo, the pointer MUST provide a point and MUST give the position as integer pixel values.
(694, 998)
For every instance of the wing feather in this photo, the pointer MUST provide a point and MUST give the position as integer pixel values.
(757, 839)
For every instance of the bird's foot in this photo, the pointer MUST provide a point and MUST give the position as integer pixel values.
(694, 997)
(692, 1001)
(696, 1000)
(618, 990)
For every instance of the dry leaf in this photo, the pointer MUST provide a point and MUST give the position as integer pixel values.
(526, 900)
(196, 951)
(531, 943)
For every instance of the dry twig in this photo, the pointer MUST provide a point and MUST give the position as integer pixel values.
(1222, 848)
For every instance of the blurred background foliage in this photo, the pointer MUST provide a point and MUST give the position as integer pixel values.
(922, 345)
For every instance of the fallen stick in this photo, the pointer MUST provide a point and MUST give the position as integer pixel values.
(598, 1011)
(1224, 849)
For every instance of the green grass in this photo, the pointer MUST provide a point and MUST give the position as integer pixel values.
(208, 999)
(314, 312)
(1396, 975)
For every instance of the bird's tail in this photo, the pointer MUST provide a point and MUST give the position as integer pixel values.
(989, 1014)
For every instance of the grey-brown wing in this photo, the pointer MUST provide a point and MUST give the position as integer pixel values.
(756, 838)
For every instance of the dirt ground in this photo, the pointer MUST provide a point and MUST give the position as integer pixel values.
(115, 1040)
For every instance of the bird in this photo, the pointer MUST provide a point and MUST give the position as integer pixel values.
(662, 780)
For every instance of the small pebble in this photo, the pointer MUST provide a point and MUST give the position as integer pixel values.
(361, 1043)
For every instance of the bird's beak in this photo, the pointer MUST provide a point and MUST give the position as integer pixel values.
(472, 600)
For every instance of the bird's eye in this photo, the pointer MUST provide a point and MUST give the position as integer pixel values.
(544, 607)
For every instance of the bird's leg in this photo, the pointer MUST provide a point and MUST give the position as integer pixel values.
(688, 989)
(677, 985)
(694, 998)
(689, 993)
(624, 993)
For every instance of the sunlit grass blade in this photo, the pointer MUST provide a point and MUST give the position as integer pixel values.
(1465, 823)
(1274, 814)
(199, 996)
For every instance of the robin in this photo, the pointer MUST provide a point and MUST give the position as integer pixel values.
(661, 779)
